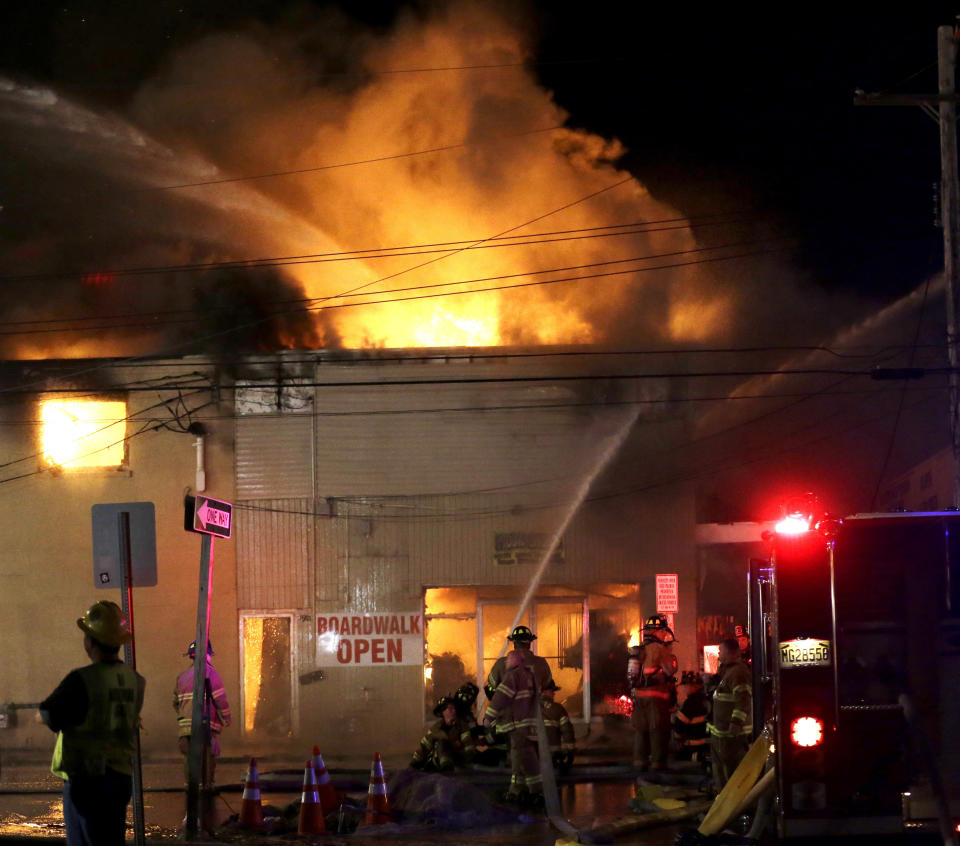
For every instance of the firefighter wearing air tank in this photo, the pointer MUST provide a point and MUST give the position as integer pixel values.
(512, 688)
(650, 676)
(731, 722)
(522, 639)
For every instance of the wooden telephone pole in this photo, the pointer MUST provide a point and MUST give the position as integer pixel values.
(942, 107)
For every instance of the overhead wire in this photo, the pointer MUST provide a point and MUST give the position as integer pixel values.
(430, 286)
(371, 253)
(249, 324)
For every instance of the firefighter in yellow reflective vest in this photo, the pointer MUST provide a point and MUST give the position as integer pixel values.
(650, 671)
(512, 709)
(731, 722)
(560, 733)
(95, 711)
(448, 743)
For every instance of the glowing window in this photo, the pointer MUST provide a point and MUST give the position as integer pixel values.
(83, 433)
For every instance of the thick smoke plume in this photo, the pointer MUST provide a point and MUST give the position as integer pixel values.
(87, 194)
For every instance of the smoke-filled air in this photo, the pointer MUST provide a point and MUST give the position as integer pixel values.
(329, 186)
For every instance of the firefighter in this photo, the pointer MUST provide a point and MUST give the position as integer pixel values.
(216, 713)
(560, 734)
(448, 743)
(650, 677)
(690, 718)
(731, 722)
(522, 639)
(95, 711)
(743, 641)
(512, 708)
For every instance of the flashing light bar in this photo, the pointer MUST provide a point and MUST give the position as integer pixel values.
(793, 524)
(806, 732)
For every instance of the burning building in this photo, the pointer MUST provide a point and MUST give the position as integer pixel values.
(391, 510)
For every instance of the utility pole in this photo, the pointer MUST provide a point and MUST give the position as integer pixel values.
(950, 210)
(946, 117)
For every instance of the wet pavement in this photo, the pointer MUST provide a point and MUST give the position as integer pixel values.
(31, 809)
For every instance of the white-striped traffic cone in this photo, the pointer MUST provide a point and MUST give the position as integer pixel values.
(329, 800)
(251, 811)
(378, 803)
(311, 815)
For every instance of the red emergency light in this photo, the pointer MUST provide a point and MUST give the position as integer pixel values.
(793, 524)
(806, 732)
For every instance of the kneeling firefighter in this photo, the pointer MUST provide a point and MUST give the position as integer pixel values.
(448, 743)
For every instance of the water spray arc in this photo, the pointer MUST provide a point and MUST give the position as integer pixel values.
(603, 460)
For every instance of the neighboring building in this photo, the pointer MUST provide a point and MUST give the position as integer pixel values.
(384, 535)
(927, 486)
(78, 433)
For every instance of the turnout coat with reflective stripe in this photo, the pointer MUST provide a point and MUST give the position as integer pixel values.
(217, 712)
(514, 702)
(733, 702)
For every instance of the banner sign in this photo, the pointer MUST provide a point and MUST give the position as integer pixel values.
(370, 640)
(517, 548)
(668, 598)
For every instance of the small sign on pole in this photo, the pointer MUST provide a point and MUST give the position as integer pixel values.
(110, 556)
(208, 516)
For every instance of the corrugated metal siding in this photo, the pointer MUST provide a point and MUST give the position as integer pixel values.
(274, 456)
(275, 554)
(436, 438)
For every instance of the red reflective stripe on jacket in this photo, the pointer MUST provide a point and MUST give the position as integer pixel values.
(646, 692)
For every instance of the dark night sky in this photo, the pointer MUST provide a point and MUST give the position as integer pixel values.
(727, 108)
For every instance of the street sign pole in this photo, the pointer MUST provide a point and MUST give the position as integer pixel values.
(130, 659)
(198, 737)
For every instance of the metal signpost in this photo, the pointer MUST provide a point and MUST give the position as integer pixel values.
(212, 518)
(125, 556)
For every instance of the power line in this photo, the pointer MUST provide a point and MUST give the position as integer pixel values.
(252, 323)
(371, 253)
(473, 354)
(355, 163)
(194, 318)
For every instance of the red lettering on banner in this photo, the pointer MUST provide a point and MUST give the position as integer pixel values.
(355, 628)
(376, 653)
(321, 625)
(360, 648)
(367, 625)
(395, 650)
(394, 625)
(414, 624)
(380, 624)
(344, 625)
(343, 652)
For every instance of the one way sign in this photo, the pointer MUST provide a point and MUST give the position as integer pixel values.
(210, 516)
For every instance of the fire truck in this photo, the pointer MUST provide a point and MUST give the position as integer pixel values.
(856, 660)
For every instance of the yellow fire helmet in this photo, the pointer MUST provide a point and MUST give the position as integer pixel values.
(105, 623)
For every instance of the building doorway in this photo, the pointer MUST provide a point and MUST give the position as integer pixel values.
(266, 656)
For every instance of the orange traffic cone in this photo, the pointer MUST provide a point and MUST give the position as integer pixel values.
(251, 811)
(378, 804)
(311, 815)
(328, 794)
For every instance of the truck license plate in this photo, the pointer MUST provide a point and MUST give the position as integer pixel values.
(805, 652)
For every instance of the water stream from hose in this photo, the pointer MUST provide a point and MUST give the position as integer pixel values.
(609, 451)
